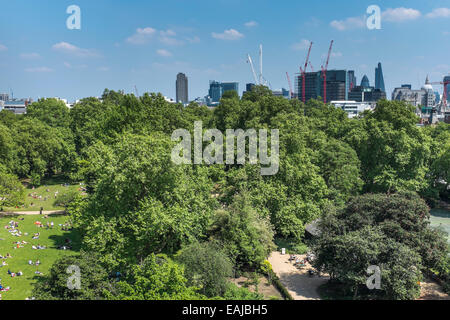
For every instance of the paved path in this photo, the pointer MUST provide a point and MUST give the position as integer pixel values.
(299, 284)
(33, 212)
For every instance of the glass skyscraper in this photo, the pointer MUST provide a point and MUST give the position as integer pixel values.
(365, 82)
(379, 79)
(217, 89)
(447, 79)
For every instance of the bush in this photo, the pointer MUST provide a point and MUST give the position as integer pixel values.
(64, 199)
(206, 267)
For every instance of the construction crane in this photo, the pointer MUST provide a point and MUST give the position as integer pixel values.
(291, 93)
(303, 73)
(249, 60)
(310, 65)
(324, 73)
(260, 65)
(136, 90)
(444, 95)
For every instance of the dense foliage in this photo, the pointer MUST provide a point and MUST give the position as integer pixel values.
(141, 205)
(388, 231)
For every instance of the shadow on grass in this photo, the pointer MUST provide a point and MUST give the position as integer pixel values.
(60, 240)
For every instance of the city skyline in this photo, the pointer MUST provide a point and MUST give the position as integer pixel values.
(210, 41)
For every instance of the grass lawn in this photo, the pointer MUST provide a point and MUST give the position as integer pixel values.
(21, 286)
(48, 197)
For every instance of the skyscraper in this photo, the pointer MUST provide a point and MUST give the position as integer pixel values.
(182, 88)
(4, 97)
(351, 79)
(217, 89)
(447, 79)
(337, 85)
(365, 82)
(379, 79)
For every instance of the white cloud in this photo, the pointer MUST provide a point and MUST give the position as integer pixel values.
(163, 53)
(230, 34)
(400, 14)
(439, 13)
(167, 37)
(39, 69)
(167, 33)
(70, 66)
(194, 39)
(68, 48)
(349, 23)
(142, 35)
(171, 41)
(302, 45)
(3, 47)
(251, 24)
(32, 55)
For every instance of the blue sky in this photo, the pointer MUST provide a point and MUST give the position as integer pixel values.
(146, 43)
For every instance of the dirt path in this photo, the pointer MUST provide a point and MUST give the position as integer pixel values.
(29, 213)
(299, 284)
(430, 290)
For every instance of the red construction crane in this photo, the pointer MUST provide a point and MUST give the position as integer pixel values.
(444, 95)
(290, 85)
(310, 65)
(324, 73)
(303, 73)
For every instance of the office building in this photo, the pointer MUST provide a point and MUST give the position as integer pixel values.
(407, 94)
(248, 88)
(424, 100)
(366, 93)
(16, 106)
(352, 79)
(365, 82)
(4, 97)
(379, 79)
(281, 93)
(337, 85)
(447, 79)
(353, 108)
(182, 89)
(217, 89)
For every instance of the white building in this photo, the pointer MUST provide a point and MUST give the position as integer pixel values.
(353, 108)
(16, 106)
(425, 97)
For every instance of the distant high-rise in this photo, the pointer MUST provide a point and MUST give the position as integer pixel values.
(351, 79)
(447, 79)
(217, 89)
(4, 97)
(379, 79)
(365, 82)
(182, 88)
(337, 85)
